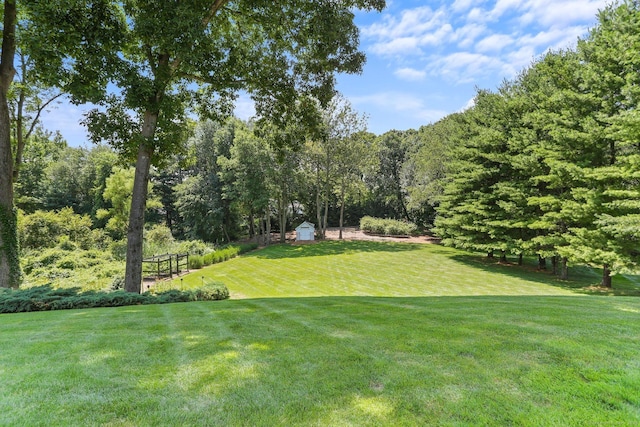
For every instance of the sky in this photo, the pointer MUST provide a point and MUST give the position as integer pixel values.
(425, 59)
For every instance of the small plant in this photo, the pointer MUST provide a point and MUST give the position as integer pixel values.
(195, 262)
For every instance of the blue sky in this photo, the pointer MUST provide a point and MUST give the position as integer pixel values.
(425, 58)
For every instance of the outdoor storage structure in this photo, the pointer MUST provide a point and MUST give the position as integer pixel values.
(305, 231)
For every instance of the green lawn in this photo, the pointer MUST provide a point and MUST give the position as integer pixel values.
(357, 268)
(469, 343)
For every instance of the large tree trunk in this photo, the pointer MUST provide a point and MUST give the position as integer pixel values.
(341, 209)
(564, 269)
(268, 227)
(133, 272)
(10, 274)
(542, 263)
(319, 215)
(606, 276)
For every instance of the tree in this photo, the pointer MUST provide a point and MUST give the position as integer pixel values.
(427, 166)
(10, 274)
(277, 51)
(387, 183)
(205, 213)
(29, 100)
(610, 199)
(118, 191)
(243, 174)
(65, 40)
(346, 128)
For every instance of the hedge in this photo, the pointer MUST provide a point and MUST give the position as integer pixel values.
(220, 255)
(387, 227)
(42, 298)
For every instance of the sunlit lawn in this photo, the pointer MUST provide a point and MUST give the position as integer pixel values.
(468, 343)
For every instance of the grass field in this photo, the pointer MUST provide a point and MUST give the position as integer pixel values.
(469, 343)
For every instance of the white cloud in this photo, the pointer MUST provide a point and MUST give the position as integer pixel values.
(467, 35)
(461, 5)
(407, 104)
(464, 67)
(494, 43)
(408, 33)
(410, 74)
(504, 6)
(550, 13)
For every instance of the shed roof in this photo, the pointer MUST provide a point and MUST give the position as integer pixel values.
(305, 224)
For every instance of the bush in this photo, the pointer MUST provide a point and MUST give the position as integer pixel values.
(195, 262)
(193, 247)
(388, 227)
(44, 229)
(118, 249)
(158, 240)
(43, 298)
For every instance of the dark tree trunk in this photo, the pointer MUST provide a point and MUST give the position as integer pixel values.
(554, 264)
(606, 277)
(564, 269)
(520, 256)
(341, 209)
(503, 256)
(542, 263)
(267, 231)
(133, 272)
(490, 254)
(10, 274)
(252, 230)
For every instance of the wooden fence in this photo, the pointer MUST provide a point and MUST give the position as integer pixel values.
(165, 265)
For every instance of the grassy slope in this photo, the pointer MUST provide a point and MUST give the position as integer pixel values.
(516, 358)
(370, 268)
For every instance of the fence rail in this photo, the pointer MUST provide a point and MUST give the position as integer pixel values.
(165, 265)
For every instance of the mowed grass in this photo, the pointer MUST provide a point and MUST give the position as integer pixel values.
(472, 358)
(362, 268)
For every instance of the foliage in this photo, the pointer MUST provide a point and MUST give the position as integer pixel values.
(117, 192)
(220, 255)
(67, 265)
(158, 240)
(44, 298)
(45, 229)
(388, 227)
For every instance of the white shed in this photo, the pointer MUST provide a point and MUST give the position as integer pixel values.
(305, 231)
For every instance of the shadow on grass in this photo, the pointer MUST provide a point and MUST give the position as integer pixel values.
(582, 279)
(328, 248)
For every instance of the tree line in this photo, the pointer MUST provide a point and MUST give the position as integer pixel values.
(549, 164)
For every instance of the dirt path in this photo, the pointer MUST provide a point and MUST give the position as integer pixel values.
(354, 233)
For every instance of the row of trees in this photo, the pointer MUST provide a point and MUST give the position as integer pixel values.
(550, 163)
(235, 179)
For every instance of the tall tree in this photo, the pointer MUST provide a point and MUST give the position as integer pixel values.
(10, 274)
(610, 198)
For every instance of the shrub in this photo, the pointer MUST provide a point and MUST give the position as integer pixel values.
(44, 229)
(390, 227)
(158, 240)
(47, 298)
(193, 247)
(118, 249)
(195, 262)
